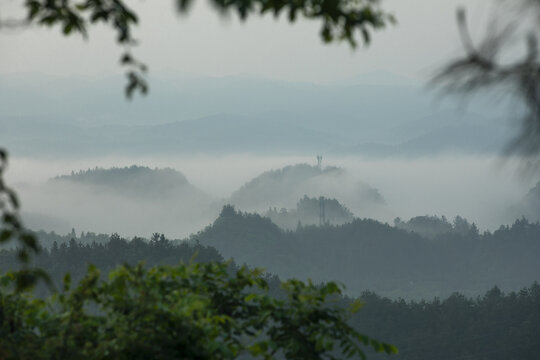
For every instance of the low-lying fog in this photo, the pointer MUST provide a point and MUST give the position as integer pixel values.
(475, 187)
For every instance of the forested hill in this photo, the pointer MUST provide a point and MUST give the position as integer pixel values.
(133, 200)
(311, 211)
(282, 188)
(369, 255)
(137, 181)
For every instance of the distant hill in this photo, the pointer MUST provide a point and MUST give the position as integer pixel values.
(131, 200)
(376, 114)
(136, 181)
(283, 187)
(215, 134)
(138, 200)
(311, 211)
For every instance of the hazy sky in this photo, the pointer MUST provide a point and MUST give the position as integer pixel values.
(203, 43)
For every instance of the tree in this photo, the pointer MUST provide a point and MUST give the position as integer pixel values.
(341, 20)
(485, 67)
(196, 311)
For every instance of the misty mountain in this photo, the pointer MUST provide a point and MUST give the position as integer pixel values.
(366, 254)
(311, 211)
(472, 134)
(137, 181)
(232, 133)
(131, 200)
(226, 133)
(216, 134)
(137, 200)
(232, 114)
(282, 188)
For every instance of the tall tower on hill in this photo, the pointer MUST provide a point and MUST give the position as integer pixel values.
(319, 161)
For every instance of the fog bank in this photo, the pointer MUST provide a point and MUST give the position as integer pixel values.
(475, 187)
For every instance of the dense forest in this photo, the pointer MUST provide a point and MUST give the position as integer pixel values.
(392, 261)
(494, 325)
(421, 258)
(76, 254)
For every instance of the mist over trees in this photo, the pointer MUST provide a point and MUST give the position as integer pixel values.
(216, 310)
(136, 181)
(432, 227)
(494, 324)
(369, 255)
(133, 200)
(284, 187)
(166, 199)
(310, 211)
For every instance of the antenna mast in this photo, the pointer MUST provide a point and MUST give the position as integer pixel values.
(319, 161)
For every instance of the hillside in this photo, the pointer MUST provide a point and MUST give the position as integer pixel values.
(503, 325)
(130, 200)
(366, 254)
(135, 181)
(283, 188)
(310, 211)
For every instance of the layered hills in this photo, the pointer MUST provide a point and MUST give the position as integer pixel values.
(367, 254)
(138, 200)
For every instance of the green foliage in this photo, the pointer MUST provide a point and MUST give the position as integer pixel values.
(195, 311)
(341, 19)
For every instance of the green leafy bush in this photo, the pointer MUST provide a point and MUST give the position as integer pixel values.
(196, 311)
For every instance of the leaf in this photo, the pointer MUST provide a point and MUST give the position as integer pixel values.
(5, 235)
(67, 282)
(356, 305)
(390, 349)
